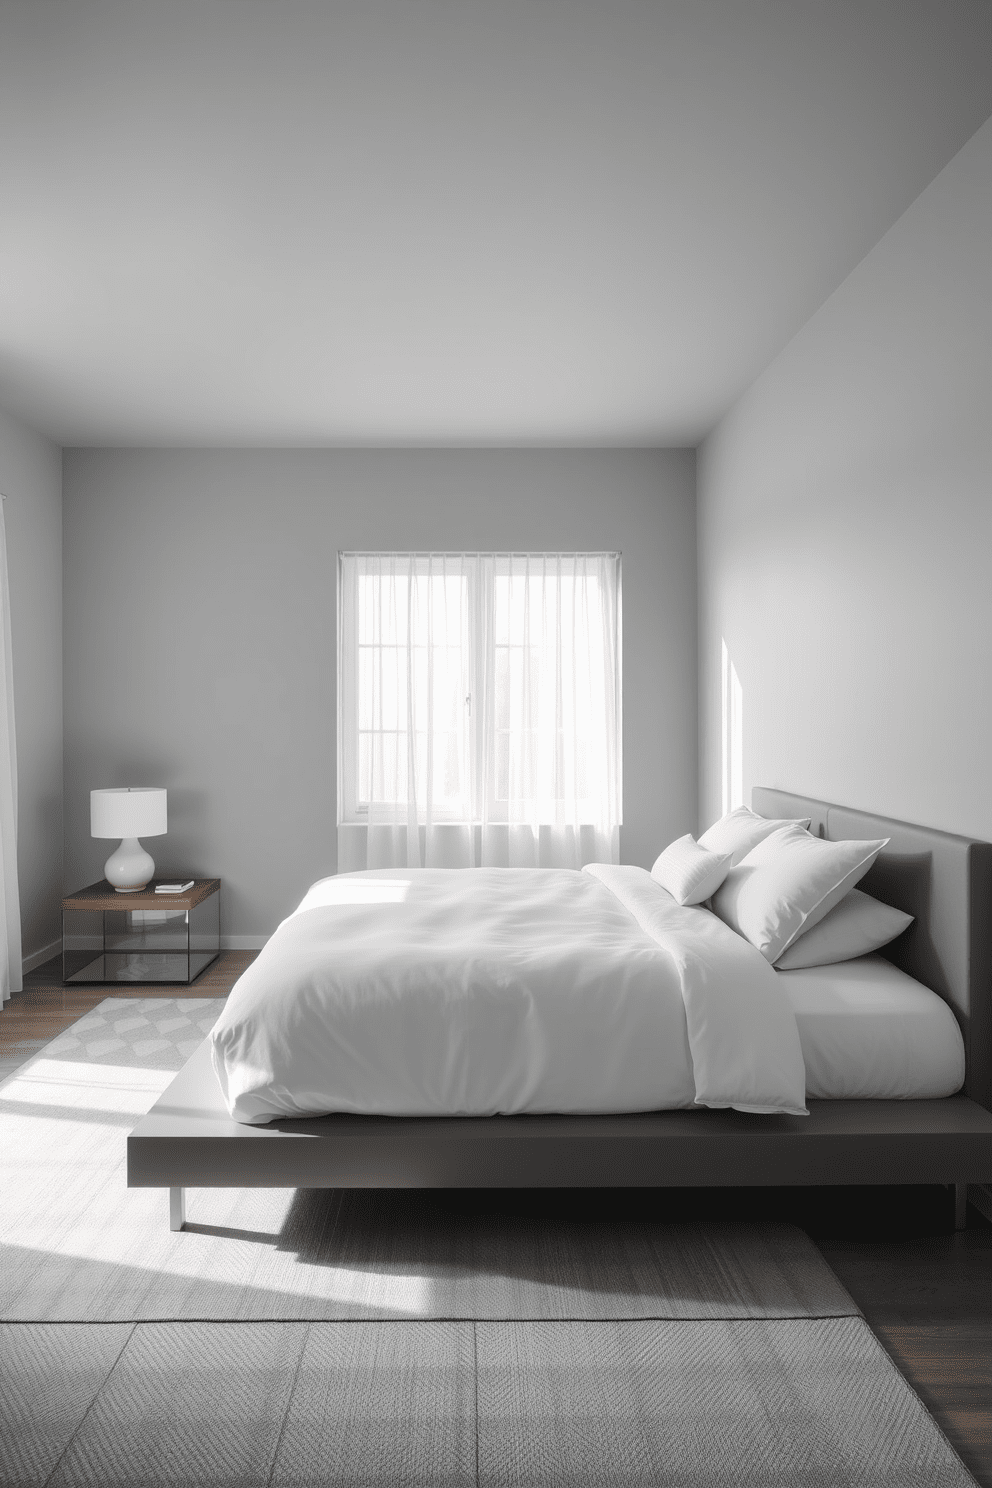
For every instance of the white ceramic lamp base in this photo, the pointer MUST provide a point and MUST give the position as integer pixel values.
(130, 868)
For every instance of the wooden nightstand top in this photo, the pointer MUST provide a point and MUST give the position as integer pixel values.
(102, 896)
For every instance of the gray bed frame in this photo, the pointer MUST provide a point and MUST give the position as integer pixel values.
(188, 1140)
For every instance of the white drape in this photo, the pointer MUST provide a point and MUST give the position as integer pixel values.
(479, 709)
(10, 909)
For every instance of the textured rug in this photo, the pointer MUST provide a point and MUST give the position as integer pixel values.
(402, 1338)
(79, 1246)
(812, 1403)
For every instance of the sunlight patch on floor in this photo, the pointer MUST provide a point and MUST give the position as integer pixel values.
(62, 1083)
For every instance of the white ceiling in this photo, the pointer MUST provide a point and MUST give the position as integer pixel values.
(447, 221)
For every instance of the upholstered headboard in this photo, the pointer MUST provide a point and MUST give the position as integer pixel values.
(945, 882)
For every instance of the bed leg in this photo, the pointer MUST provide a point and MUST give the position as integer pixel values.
(177, 1208)
(960, 1206)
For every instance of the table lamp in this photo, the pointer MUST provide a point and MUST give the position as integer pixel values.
(128, 812)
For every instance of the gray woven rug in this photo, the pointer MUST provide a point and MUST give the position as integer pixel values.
(812, 1403)
(79, 1246)
(451, 1341)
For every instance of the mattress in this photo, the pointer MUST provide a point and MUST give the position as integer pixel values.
(509, 991)
(870, 1032)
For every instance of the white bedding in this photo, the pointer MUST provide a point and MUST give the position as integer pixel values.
(870, 1032)
(484, 991)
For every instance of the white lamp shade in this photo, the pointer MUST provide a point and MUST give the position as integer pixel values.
(128, 811)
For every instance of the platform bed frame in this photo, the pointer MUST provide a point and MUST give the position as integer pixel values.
(188, 1140)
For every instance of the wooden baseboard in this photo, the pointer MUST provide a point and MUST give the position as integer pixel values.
(38, 958)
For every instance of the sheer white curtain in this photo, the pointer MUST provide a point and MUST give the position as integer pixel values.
(552, 704)
(413, 705)
(10, 910)
(479, 709)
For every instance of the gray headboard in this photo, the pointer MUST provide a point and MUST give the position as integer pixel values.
(945, 882)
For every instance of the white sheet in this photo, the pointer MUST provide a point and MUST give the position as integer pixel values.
(870, 1032)
(483, 991)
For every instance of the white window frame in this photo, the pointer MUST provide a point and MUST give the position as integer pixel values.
(352, 811)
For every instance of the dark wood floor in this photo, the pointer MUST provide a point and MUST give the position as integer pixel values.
(925, 1290)
(929, 1305)
(44, 1008)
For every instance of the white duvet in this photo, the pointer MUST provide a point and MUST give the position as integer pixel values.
(499, 990)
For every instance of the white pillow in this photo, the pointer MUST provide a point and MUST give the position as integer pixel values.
(740, 830)
(856, 926)
(689, 872)
(787, 884)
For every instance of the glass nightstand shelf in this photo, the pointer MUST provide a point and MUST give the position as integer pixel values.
(136, 938)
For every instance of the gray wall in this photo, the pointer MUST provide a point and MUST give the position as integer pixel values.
(31, 479)
(845, 532)
(200, 633)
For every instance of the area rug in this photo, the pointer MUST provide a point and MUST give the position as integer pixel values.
(79, 1246)
(289, 1338)
(809, 1403)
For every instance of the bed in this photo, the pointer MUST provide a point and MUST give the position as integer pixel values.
(189, 1139)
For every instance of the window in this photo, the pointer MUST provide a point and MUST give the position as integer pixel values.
(479, 690)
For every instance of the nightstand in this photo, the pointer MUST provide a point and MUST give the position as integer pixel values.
(136, 938)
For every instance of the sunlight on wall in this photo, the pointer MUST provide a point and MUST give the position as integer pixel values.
(731, 732)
